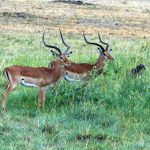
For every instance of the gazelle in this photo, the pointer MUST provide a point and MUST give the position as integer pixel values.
(40, 77)
(81, 70)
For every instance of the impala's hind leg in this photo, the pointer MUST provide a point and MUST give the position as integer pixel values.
(43, 99)
(12, 84)
(10, 88)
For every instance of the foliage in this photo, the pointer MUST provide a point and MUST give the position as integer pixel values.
(110, 111)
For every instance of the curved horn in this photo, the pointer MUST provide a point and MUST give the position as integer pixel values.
(50, 46)
(93, 43)
(68, 47)
(107, 45)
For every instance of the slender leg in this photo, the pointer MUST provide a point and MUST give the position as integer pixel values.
(39, 99)
(10, 88)
(41, 96)
(43, 99)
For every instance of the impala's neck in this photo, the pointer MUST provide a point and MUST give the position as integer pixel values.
(100, 62)
(59, 68)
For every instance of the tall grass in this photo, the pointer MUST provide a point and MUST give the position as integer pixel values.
(110, 111)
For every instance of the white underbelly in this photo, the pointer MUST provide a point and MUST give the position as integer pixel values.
(28, 84)
(76, 76)
(66, 77)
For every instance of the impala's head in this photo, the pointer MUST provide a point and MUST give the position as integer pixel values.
(103, 51)
(61, 60)
(61, 56)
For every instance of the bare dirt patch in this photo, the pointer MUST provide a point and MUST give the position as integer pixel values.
(120, 20)
(21, 18)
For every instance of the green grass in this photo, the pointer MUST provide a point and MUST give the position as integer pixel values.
(110, 111)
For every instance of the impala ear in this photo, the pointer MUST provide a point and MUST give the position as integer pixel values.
(100, 50)
(54, 53)
(51, 65)
(68, 54)
(110, 51)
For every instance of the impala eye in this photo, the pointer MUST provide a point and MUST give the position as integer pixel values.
(61, 57)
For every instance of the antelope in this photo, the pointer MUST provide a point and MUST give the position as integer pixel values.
(39, 77)
(82, 70)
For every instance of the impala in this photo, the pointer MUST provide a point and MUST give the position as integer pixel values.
(40, 77)
(82, 70)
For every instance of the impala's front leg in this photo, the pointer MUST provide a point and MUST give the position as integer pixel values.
(41, 97)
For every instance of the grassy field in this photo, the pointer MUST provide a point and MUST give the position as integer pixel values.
(110, 111)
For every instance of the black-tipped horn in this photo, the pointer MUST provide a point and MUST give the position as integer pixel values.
(68, 47)
(93, 43)
(51, 46)
(107, 45)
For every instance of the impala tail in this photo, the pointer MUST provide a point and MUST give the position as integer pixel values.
(6, 74)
